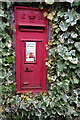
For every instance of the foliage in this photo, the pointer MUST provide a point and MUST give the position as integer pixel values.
(64, 60)
(76, 3)
(62, 99)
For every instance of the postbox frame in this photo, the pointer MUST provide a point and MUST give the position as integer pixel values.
(17, 48)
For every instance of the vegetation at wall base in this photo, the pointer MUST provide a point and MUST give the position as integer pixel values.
(62, 100)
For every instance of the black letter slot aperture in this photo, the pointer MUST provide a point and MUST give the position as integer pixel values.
(31, 28)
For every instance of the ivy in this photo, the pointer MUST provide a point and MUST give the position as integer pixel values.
(64, 58)
(62, 100)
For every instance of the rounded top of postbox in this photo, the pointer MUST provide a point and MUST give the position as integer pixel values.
(30, 16)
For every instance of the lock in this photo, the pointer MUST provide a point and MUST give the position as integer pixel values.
(31, 36)
(27, 69)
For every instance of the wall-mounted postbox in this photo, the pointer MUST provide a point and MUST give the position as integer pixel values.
(31, 38)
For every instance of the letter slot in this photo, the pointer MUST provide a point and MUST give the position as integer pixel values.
(31, 28)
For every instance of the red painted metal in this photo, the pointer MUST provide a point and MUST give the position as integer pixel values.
(31, 26)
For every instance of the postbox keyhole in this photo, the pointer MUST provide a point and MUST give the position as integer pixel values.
(27, 68)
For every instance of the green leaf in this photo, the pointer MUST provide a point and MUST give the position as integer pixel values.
(65, 97)
(1, 13)
(77, 45)
(66, 35)
(73, 60)
(56, 19)
(49, 1)
(73, 22)
(73, 52)
(61, 66)
(74, 66)
(52, 104)
(63, 26)
(71, 110)
(8, 4)
(78, 72)
(70, 41)
(68, 21)
(67, 53)
(76, 4)
(75, 80)
(70, 15)
(74, 35)
(60, 14)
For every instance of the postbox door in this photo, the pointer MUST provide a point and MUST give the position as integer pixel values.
(32, 65)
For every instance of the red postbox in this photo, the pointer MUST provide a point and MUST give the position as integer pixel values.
(31, 36)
